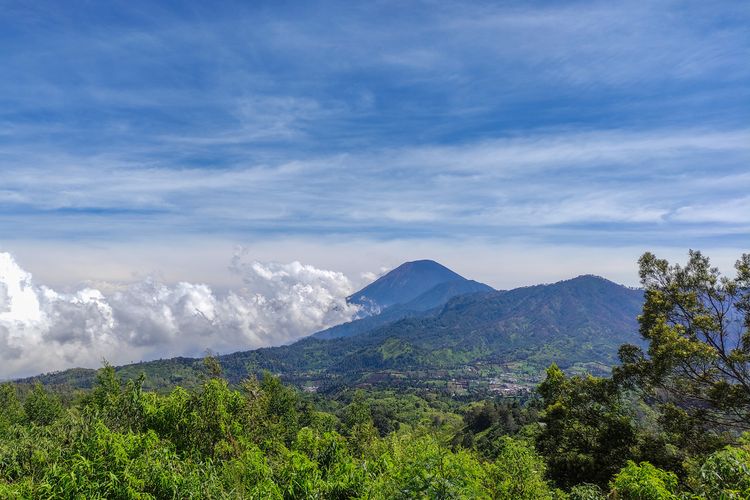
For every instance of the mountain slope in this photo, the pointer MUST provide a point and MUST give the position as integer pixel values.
(440, 294)
(579, 321)
(435, 297)
(403, 284)
(497, 341)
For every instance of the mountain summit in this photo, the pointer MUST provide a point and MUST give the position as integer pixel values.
(404, 284)
(412, 289)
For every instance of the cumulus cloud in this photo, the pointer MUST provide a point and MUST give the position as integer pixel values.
(42, 329)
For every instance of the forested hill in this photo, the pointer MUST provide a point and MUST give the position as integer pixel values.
(513, 336)
(422, 305)
(499, 341)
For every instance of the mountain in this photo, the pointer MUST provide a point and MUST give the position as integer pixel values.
(403, 284)
(440, 294)
(435, 297)
(514, 335)
(498, 341)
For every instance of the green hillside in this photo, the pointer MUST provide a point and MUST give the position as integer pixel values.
(477, 343)
(493, 342)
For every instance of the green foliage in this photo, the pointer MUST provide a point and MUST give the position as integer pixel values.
(644, 482)
(486, 422)
(419, 467)
(587, 435)
(214, 441)
(212, 366)
(518, 472)
(265, 441)
(724, 474)
(281, 408)
(696, 324)
(11, 411)
(42, 408)
(586, 492)
(249, 475)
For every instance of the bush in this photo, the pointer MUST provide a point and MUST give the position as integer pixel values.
(42, 408)
(586, 492)
(644, 482)
(11, 411)
(419, 467)
(518, 472)
(724, 474)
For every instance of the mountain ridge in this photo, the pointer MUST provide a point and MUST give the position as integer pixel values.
(474, 338)
(435, 297)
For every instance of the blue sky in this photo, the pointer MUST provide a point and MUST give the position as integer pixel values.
(353, 135)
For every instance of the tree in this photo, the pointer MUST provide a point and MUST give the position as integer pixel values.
(418, 466)
(697, 325)
(41, 407)
(282, 417)
(212, 365)
(11, 411)
(588, 434)
(120, 408)
(644, 482)
(518, 472)
(358, 423)
(724, 474)
(106, 387)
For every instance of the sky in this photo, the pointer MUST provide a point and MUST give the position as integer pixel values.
(174, 175)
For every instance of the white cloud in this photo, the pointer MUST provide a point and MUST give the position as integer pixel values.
(42, 329)
(720, 211)
(541, 180)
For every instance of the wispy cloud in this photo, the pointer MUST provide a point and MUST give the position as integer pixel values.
(596, 123)
(533, 185)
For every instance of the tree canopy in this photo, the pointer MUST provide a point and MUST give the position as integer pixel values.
(697, 325)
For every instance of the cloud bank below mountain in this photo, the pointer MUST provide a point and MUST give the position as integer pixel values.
(42, 329)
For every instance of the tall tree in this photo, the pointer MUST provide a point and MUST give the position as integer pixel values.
(588, 434)
(697, 325)
(11, 411)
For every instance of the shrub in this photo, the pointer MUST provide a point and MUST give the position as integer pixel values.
(724, 474)
(518, 472)
(644, 482)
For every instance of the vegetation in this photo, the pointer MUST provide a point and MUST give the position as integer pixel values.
(260, 441)
(472, 347)
(265, 440)
(697, 323)
(656, 429)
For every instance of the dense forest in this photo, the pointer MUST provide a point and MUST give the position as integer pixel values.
(669, 423)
